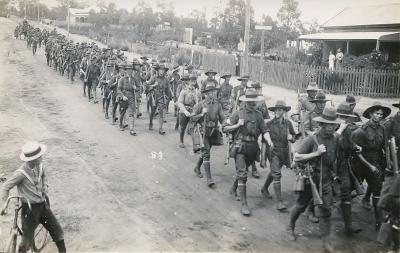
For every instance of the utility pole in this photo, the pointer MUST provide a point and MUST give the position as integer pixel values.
(68, 17)
(246, 40)
(38, 12)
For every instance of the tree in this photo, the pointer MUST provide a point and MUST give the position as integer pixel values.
(232, 23)
(3, 7)
(145, 21)
(288, 19)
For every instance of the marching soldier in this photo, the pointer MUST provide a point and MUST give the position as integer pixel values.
(281, 132)
(175, 79)
(115, 99)
(187, 99)
(138, 76)
(320, 151)
(209, 80)
(238, 91)
(111, 81)
(225, 93)
(159, 96)
(347, 150)
(393, 127)
(92, 77)
(127, 88)
(351, 100)
(208, 113)
(246, 124)
(372, 138)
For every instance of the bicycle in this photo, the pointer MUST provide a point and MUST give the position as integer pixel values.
(41, 235)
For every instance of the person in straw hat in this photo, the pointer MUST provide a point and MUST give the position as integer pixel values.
(320, 151)
(31, 182)
(246, 125)
(347, 150)
(208, 113)
(372, 138)
(281, 131)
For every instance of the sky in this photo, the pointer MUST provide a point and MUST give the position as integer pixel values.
(321, 10)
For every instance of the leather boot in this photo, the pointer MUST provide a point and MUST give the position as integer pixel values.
(264, 189)
(254, 171)
(278, 194)
(349, 229)
(378, 213)
(311, 213)
(325, 231)
(207, 169)
(61, 246)
(197, 167)
(243, 199)
(160, 124)
(132, 126)
(365, 202)
(294, 215)
(233, 190)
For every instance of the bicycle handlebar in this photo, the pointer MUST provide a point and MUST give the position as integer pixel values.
(16, 197)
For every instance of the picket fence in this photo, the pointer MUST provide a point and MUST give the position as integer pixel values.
(360, 82)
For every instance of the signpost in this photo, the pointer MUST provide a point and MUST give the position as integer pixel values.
(263, 28)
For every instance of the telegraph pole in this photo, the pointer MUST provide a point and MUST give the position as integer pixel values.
(263, 29)
(68, 17)
(38, 12)
(246, 40)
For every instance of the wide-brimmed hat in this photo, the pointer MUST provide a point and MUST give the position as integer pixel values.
(319, 98)
(312, 86)
(185, 78)
(175, 68)
(396, 104)
(280, 104)
(161, 66)
(144, 58)
(251, 95)
(209, 87)
(351, 99)
(243, 78)
(129, 66)
(193, 77)
(136, 62)
(210, 71)
(329, 116)
(32, 150)
(377, 106)
(226, 76)
(344, 110)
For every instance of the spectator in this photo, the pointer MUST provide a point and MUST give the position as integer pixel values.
(332, 59)
(339, 58)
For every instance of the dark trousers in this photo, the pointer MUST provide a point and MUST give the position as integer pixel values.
(183, 122)
(40, 214)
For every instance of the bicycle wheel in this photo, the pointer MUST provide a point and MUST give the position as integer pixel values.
(41, 239)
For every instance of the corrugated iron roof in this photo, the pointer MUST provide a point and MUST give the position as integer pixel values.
(382, 14)
(383, 36)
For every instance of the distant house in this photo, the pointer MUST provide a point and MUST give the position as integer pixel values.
(80, 15)
(362, 29)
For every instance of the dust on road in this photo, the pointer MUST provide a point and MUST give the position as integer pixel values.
(112, 195)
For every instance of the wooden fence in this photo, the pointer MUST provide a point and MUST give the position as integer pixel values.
(222, 63)
(360, 82)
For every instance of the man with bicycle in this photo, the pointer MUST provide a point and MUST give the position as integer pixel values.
(31, 182)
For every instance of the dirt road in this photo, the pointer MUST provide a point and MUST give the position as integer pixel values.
(108, 191)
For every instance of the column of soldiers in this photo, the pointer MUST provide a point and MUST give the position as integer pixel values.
(333, 153)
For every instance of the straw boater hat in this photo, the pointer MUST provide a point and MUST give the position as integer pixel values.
(319, 98)
(32, 150)
(396, 104)
(226, 76)
(210, 71)
(243, 78)
(329, 116)
(312, 86)
(251, 96)
(280, 104)
(344, 110)
(350, 99)
(377, 106)
(210, 87)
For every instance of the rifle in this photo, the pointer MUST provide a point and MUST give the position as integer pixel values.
(393, 151)
(230, 139)
(357, 185)
(289, 143)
